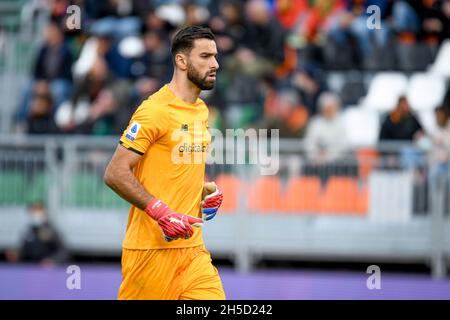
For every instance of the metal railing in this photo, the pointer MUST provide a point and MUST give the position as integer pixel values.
(368, 205)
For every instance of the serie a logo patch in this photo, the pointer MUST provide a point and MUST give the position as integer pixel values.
(133, 131)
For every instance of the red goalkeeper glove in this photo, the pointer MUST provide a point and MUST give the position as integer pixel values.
(212, 199)
(173, 225)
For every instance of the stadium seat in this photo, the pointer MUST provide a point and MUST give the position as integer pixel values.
(384, 91)
(427, 119)
(352, 91)
(265, 195)
(12, 188)
(110, 199)
(231, 187)
(38, 187)
(362, 126)
(425, 91)
(85, 191)
(367, 159)
(414, 56)
(302, 195)
(441, 65)
(340, 196)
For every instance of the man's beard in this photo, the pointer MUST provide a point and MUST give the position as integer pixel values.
(195, 77)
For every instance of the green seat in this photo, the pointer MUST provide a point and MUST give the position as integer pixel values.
(110, 199)
(89, 190)
(85, 191)
(12, 188)
(38, 188)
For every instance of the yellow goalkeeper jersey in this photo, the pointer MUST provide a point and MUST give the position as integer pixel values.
(173, 139)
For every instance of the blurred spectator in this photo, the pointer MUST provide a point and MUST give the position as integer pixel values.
(314, 20)
(53, 64)
(401, 123)
(156, 63)
(352, 22)
(440, 153)
(196, 14)
(40, 119)
(434, 21)
(262, 47)
(119, 18)
(41, 242)
(154, 21)
(93, 107)
(228, 27)
(288, 11)
(285, 112)
(95, 47)
(118, 55)
(406, 18)
(307, 82)
(326, 142)
(326, 138)
(424, 20)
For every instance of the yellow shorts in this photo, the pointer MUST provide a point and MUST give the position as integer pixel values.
(172, 274)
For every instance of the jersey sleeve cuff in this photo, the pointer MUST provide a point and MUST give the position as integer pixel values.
(131, 148)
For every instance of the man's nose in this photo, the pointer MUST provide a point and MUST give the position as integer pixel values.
(216, 64)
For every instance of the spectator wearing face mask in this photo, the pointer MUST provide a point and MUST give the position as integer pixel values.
(40, 118)
(41, 242)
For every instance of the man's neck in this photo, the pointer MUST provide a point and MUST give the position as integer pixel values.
(184, 89)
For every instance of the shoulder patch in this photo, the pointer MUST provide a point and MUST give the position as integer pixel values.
(133, 131)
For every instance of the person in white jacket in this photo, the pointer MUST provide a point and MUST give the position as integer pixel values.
(326, 138)
(439, 155)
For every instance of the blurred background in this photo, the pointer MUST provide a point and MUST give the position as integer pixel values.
(361, 99)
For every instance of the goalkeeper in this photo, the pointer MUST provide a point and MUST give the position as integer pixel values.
(163, 254)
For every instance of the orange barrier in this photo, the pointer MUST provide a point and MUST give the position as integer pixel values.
(302, 195)
(340, 195)
(265, 195)
(231, 186)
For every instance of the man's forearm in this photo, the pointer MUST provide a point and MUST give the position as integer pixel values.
(125, 184)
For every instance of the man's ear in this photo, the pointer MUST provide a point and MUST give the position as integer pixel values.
(181, 61)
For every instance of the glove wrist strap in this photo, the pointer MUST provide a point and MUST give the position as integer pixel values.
(155, 209)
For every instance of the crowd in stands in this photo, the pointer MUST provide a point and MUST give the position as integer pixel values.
(274, 59)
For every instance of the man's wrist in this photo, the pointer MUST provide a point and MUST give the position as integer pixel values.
(155, 209)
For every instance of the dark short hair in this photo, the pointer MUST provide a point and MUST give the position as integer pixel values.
(402, 98)
(185, 37)
(444, 109)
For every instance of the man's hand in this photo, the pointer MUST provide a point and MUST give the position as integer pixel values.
(173, 225)
(211, 200)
